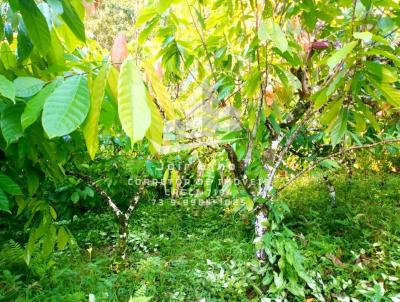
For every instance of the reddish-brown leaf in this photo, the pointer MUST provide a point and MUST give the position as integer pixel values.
(119, 50)
(90, 8)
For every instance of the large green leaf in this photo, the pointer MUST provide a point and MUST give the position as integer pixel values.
(7, 88)
(35, 105)
(379, 52)
(112, 81)
(25, 45)
(36, 25)
(8, 32)
(381, 73)
(269, 30)
(67, 107)
(73, 20)
(26, 87)
(56, 56)
(370, 116)
(391, 94)
(8, 185)
(90, 128)
(4, 203)
(133, 109)
(339, 128)
(340, 54)
(11, 123)
(330, 112)
(7, 56)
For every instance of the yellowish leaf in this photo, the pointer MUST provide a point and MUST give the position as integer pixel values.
(160, 91)
(91, 126)
(155, 132)
(133, 109)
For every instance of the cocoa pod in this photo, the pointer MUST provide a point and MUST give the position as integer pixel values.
(320, 44)
(269, 95)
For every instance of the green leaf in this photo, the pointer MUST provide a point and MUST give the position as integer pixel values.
(112, 82)
(70, 41)
(320, 98)
(75, 197)
(56, 6)
(340, 54)
(339, 128)
(67, 107)
(91, 126)
(26, 87)
(144, 34)
(133, 109)
(11, 123)
(4, 203)
(7, 56)
(383, 53)
(269, 30)
(25, 46)
(174, 182)
(371, 117)
(7, 88)
(145, 15)
(360, 123)
(165, 178)
(381, 73)
(391, 94)
(252, 83)
(32, 181)
(330, 112)
(36, 25)
(56, 55)
(329, 164)
(35, 105)
(163, 5)
(73, 20)
(155, 132)
(366, 36)
(53, 212)
(263, 34)
(8, 185)
(8, 32)
(62, 238)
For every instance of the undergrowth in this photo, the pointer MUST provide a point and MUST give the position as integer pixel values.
(180, 251)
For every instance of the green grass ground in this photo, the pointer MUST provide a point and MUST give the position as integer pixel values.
(181, 252)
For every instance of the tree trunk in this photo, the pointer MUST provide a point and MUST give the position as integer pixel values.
(331, 188)
(123, 235)
(260, 230)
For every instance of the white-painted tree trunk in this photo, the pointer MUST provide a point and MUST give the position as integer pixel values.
(331, 188)
(260, 230)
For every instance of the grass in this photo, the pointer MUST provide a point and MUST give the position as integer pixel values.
(184, 252)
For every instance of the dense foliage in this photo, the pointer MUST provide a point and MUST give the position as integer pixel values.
(225, 99)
